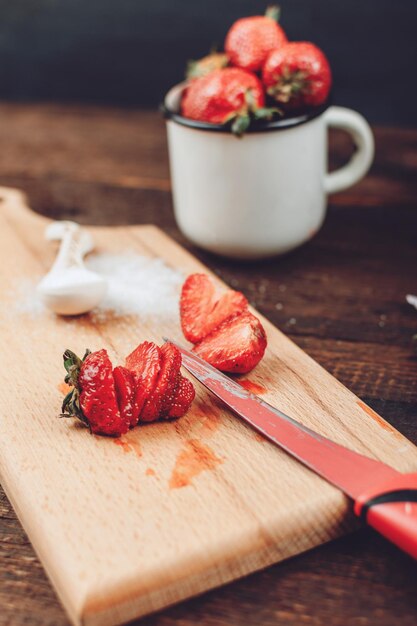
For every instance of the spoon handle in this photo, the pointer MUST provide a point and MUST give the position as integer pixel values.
(75, 243)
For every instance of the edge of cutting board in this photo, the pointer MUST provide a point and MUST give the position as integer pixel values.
(131, 598)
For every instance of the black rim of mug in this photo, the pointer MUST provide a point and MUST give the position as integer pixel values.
(257, 126)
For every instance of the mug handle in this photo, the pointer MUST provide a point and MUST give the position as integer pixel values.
(356, 125)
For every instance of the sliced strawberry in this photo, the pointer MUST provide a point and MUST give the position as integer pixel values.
(170, 370)
(125, 383)
(236, 345)
(93, 397)
(163, 394)
(183, 398)
(145, 362)
(110, 401)
(202, 308)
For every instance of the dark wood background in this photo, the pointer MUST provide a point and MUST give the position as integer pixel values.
(341, 298)
(131, 51)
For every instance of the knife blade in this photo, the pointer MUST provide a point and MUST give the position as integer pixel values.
(384, 497)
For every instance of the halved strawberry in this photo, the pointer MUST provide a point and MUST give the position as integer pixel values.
(236, 345)
(93, 397)
(183, 398)
(145, 362)
(162, 396)
(125, 383)
(203, 308)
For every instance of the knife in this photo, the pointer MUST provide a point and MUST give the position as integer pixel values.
(383, 497)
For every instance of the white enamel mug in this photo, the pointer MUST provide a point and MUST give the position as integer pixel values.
(263, 194)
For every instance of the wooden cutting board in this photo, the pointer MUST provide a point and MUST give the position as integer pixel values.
(126, 528)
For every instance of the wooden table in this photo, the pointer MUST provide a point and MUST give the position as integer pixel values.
(341, 298)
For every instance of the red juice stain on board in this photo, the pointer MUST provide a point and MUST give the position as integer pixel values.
(378, 419)
(150, 472)
(123, 444)
(193, 459)
(252, 387)
(134, 444)
(128, 445)
(64, 388)
(209, 421)
(136, 448)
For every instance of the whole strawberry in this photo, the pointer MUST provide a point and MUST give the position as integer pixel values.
(250, 39)
(297, 75)
(226, 95)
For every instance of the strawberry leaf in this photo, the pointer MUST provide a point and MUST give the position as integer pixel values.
(266, 113)
(201, 67)
(71, 406)
(240, 124)
(72, 364)
(71, 403)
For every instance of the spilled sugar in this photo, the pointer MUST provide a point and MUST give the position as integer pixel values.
(26, 299)
(137, 285)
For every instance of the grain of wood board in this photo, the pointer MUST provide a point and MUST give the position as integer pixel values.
(126, 527)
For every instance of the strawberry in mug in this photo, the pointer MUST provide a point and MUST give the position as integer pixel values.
(229, 95)
(266, 193)
(297, 75)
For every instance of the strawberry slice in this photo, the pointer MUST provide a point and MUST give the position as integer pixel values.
(93, 397)
(145, 362)
(236, 345)
(125, 383)
(170, 369)
(203, 308)
(184, 396)
(162, 396)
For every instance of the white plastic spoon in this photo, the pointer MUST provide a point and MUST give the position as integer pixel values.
(70, 288)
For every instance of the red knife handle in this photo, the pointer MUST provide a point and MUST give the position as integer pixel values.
(391, 509)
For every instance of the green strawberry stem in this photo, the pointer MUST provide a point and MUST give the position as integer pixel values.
(274, 12)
